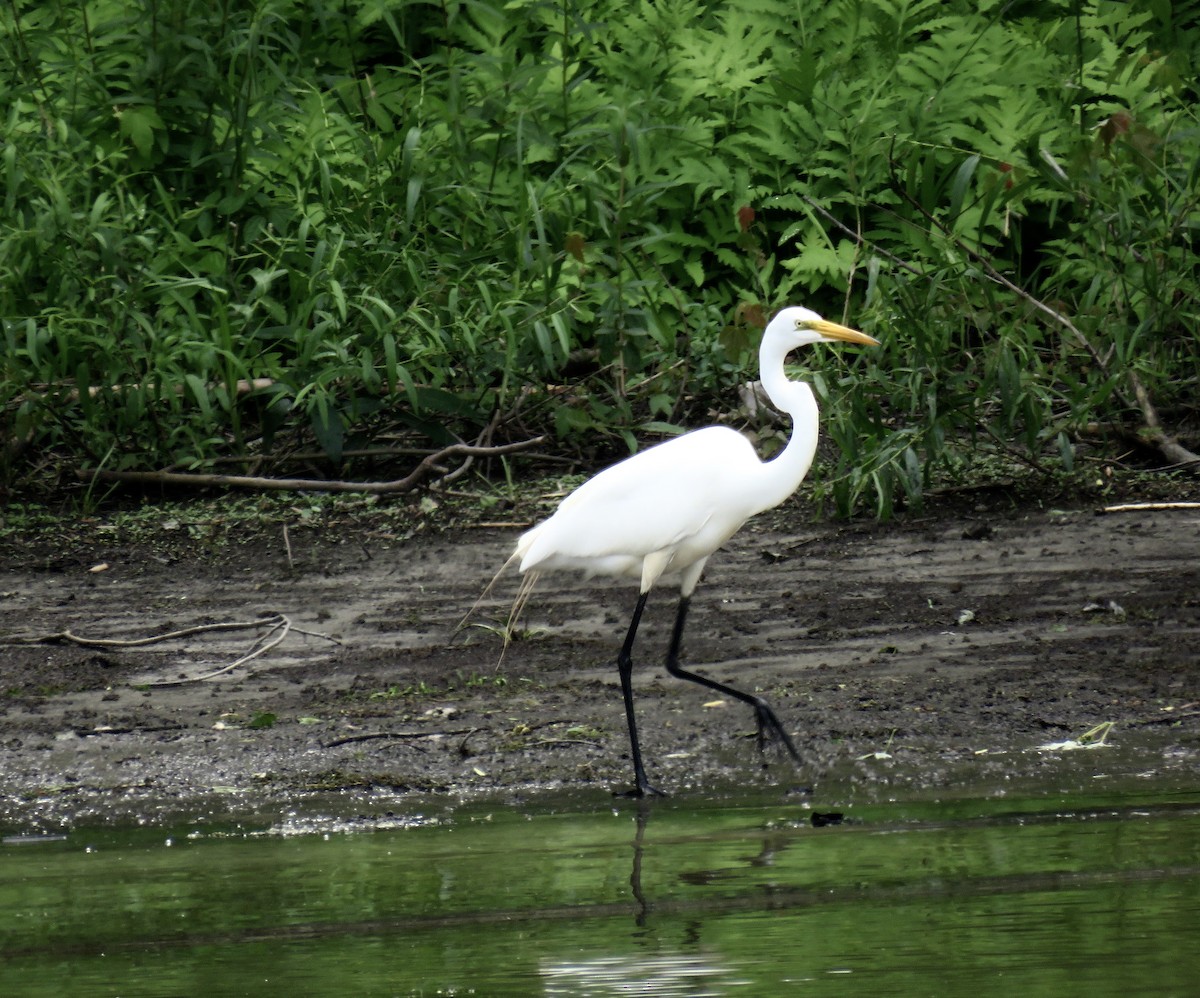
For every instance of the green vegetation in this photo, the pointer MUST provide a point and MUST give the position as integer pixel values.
(265, 236)
(420, 689)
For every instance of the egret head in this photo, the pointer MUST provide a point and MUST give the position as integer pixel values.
(796, 326)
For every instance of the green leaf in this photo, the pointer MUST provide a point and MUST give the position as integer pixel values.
(958, 189)
(138, 124)
(200, 393)
(329, 429)
(658, 426)
(1066, 452)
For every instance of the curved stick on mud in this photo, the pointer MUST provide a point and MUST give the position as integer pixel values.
(275, 622)
(85, 642)
(279, 623)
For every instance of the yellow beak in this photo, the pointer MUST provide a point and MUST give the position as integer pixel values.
(835, 332)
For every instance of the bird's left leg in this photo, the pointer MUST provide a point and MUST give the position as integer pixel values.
(763, 714)
(642, 786)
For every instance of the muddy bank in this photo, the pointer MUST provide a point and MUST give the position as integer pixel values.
(907, 658)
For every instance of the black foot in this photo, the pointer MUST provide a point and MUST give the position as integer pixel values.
(637, 793)
(768, 724)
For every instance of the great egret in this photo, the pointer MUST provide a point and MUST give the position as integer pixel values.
(669, 507)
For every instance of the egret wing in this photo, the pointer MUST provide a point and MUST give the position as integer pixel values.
(652, 501)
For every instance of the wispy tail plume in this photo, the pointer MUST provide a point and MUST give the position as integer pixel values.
(524, 590)
(484, 595)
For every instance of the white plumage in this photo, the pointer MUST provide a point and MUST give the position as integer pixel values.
(668, 508)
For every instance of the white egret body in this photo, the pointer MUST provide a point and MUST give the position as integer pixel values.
(667, 508)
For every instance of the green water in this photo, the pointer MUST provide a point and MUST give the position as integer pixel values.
(1006, 897)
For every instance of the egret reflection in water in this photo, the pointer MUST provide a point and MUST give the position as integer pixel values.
(662, 976)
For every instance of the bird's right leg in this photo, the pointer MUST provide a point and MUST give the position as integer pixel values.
(764, 716)
(625, 668)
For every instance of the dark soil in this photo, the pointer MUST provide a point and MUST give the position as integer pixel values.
(909, 658)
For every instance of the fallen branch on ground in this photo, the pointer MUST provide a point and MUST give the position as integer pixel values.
(1184, 713)
(383, 735)
(1148, 507)
(1167, 445)
(278, 624)
(405, 484)
(67, 637)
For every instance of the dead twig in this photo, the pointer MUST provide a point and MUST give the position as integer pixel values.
(829, 217)
(278, 624)
(1167, 717)
(108, 729)
(67, 637)
(1148, 507)
(280, 627)
(1167, 445)
(384, 735)
(484, 440)
(405, 484)
(243, 386)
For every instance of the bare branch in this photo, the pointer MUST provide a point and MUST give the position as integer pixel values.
(280, 625)
(1167, 445)
(379, 735)
(86, 642)
(1148, 507)
(405, 484)
(243, 386)
(826, 214)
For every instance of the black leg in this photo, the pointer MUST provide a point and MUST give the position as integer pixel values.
(763, 714)
(625, 668)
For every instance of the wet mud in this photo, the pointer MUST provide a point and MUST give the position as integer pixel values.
(908, 658)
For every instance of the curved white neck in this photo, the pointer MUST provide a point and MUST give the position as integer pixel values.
(784, 473)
